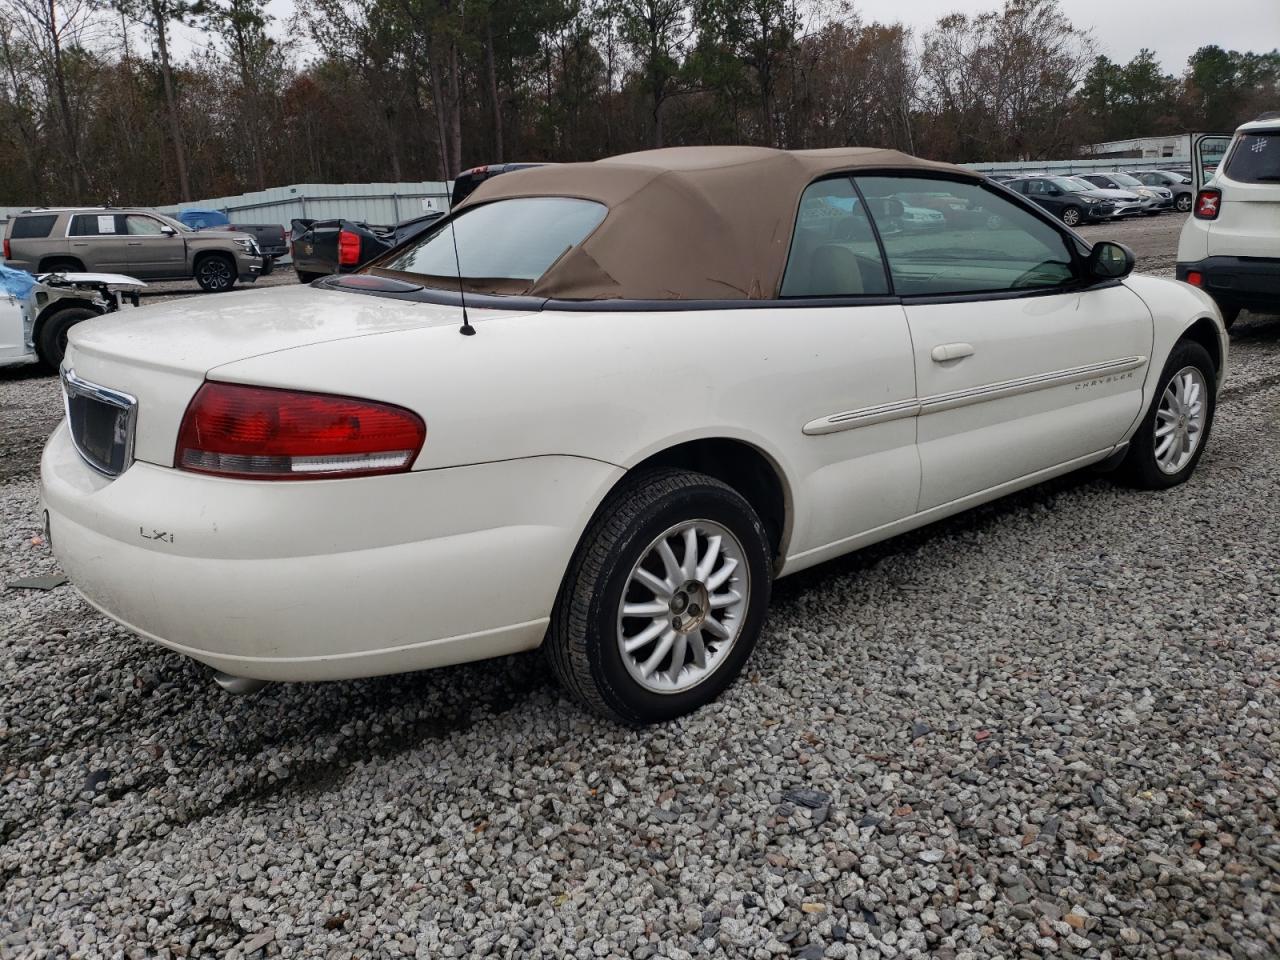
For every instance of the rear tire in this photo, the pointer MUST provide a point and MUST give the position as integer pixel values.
(216, 273)
(1183, 203)
(710, 620)
(51, 342)
(61, 265)
(1230, 313)
(305, 277)
(1146, 466)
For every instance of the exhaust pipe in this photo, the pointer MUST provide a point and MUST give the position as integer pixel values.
(240, 686)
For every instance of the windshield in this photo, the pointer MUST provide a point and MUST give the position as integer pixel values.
(1255, 158)
(1127, 180)
(515, 239)
(1083, 184)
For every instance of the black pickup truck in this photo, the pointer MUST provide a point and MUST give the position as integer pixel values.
(322, 247)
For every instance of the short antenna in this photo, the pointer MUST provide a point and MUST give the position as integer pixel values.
(467, 329)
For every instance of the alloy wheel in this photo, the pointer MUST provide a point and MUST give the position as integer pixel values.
(683, 606)
(216, 273)
(1184, 202)
(1071, 216)
(1180, 420)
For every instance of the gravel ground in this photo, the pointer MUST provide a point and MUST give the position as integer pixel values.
(1049, 727)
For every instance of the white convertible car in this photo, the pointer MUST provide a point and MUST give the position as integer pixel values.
(692, 371)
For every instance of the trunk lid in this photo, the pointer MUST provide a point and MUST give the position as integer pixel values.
(159, 355)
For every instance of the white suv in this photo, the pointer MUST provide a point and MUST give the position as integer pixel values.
(1230, 245)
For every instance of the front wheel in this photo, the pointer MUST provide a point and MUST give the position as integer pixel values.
(216, 274)
(1071, 216)
(664, 598)
(51, 342)
(1171, 439)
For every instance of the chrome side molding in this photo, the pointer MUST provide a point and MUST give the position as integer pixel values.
(920, 406)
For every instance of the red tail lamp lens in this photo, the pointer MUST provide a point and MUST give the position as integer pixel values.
(1194, 278)
(263, 433)
(1208, 203)
(348, 248)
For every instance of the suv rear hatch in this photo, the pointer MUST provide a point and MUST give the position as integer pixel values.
(1248, 222)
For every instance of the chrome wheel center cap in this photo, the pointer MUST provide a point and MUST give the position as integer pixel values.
(689, 607)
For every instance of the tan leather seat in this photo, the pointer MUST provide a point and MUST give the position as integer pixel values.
(834, 272)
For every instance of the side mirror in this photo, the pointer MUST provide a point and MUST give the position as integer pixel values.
(1110, 261)
(1054, 192)
(168, 231)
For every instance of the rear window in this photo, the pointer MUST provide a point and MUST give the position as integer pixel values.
(1255, 159)
(31, 228)
(516, 239)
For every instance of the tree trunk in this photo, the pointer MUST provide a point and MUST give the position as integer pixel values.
(455, 107)
(492, 69)
(171, 103)
(64, 107)
(442, 126)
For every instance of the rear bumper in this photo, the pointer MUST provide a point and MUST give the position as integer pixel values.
(322, 580)
(1238, 281)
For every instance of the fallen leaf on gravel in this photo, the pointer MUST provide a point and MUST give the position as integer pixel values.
(259, 941)
(47, 582)
(812, 907)
(334, 922)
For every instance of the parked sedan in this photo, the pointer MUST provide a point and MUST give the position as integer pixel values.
(1066, 199)
(1126, 202)
(1154, 199)
(1178, 184)
(684, 373)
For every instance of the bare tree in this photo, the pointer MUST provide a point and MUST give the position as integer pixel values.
(1000, 83)
(157, 16)
(52, 28)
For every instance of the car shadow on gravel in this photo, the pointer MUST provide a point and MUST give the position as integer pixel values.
(1044, 496)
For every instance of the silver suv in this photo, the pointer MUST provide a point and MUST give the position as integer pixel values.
(139, 243)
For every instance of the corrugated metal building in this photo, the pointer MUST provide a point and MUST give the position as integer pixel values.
(378, 203)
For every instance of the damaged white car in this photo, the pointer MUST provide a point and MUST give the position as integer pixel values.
(36, 316)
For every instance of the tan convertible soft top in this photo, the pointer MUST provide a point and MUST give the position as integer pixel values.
(686, 223)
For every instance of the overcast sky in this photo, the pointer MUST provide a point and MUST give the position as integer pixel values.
(1174, 29)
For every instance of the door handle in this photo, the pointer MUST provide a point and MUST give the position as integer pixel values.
(951, 351)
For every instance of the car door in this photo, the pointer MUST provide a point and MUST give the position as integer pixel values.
(98, 241)
(154, 248)
(1045, 194)
(856, 455)
(1022, 367)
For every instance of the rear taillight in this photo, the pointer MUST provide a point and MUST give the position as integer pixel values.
(1208, 202)
(1195, 278)
(263, 433)
(8, 251)
(348, 249)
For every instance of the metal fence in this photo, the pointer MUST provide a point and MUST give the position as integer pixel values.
(1068, 167)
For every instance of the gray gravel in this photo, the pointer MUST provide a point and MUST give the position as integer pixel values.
(1050, 727)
